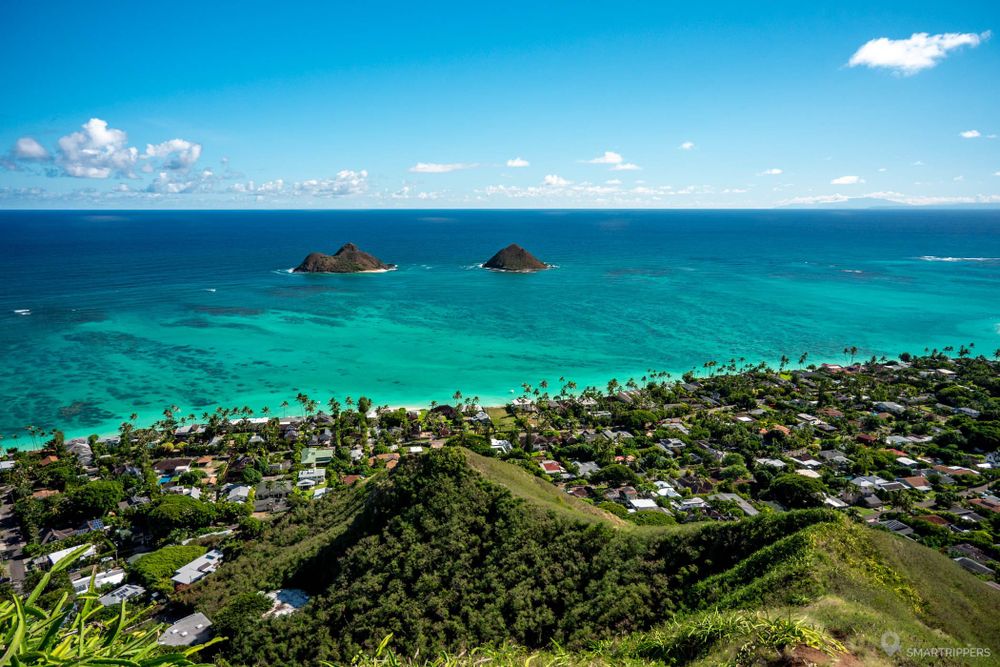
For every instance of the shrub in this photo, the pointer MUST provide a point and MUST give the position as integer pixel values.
(155, 569)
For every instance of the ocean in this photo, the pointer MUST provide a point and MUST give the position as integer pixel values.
(105, 314)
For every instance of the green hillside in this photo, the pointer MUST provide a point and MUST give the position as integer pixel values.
(452, 552)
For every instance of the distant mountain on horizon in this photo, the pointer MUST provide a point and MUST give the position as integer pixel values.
(861, 203)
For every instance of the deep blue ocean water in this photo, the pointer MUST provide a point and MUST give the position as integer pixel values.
(136, 311)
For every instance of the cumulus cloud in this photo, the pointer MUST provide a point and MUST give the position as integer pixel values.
(276, 186)
(97, 152)
(970, 134)
(166, 183)
(518, 162)
(686, 146)
(176, 153)
(346, 182)
(626, 166)
(438, 168)
(847, 180)
(918, 52)
(609, 157)
(555, 181)
(772, 172)
(27, 148)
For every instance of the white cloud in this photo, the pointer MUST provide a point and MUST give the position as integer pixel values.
(97, 152)
(176, 153)
(882, 169)
(970, 134)
(996, 173)
(518, 162)
(165, 183)
(438, 168)
(613, 181)
(555, 181)
(909, 56)
(626, 166)
(771, 172)
(847, 180)
(276, 186)
(609, 157)
(27, 148)
(345, 183)
(686, 146)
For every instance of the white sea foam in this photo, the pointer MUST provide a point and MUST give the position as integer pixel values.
(934, 258)
(23, 311)
(851, 271)
(283, 272)
(210, 289)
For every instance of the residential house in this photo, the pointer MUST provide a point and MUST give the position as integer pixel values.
(188, 631)
(198, 568)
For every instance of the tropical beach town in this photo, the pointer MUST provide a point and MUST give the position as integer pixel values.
(908, 446)
(454, 334)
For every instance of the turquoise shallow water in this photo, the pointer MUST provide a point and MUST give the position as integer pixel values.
(135, 311)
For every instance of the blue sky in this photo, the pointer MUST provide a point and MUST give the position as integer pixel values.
(644, 104)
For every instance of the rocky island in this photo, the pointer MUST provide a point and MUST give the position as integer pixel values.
(349, 259)
(516, 259)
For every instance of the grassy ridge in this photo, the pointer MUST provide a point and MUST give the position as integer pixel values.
(454, 552)
(538, 492)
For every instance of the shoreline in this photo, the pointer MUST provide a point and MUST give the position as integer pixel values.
(487, 401)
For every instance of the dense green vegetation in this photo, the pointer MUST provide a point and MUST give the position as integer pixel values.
(443, 558)
(154, 570)
(36, 634)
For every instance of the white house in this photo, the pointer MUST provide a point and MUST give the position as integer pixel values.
(198, 568)
(643, 504)
(57, 556)
(101, 579)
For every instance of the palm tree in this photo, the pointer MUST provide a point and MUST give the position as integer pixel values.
(302, 400)
(613, 387)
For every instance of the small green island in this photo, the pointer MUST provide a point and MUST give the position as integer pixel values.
(349, 259)
(515, 259)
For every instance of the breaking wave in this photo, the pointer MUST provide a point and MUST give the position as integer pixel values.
(935, 258)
